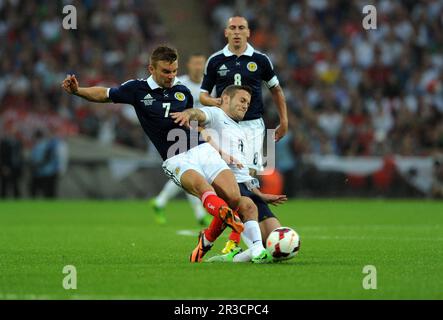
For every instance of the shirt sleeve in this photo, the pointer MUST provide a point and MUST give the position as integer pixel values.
(268, 75)
(124, 93)
(209, 77)
(210, 113)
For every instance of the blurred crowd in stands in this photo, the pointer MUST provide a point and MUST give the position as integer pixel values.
(350, 91)
(111, 44)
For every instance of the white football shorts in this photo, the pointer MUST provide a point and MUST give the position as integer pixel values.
(203, 158)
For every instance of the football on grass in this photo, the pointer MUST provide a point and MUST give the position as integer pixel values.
(283, 243)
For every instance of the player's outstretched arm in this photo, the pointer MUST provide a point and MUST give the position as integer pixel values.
(207, 100)
(185, 117)
(94, 94)
(280, 102)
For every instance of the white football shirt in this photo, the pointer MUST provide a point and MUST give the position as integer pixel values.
(230, 137)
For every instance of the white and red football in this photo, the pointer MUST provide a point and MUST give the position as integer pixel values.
(283, 243)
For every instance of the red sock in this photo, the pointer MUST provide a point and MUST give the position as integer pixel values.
(215, 229)
(235, 236)
(212, 203)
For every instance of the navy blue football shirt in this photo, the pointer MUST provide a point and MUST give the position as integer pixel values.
(224, 68)
(153, 106)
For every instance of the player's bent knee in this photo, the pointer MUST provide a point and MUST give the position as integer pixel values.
(233, 200)
(247, 210)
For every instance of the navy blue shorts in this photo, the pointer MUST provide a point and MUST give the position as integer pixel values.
(263, 209)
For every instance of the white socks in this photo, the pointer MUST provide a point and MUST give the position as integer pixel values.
(170, 190)
(251, 235)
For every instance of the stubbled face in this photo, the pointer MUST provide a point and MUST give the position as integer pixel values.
(164, 72)
(237, 32)
(196, 66)
(237, 106)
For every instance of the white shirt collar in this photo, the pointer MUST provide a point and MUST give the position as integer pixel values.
(154, 85)
(248, 52)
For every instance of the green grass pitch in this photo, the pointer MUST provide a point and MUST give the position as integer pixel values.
(120, 253)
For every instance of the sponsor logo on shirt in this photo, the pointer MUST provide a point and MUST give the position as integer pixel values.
(148, 100)
(223, 70)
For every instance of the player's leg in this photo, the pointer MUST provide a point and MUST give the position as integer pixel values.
(264, 214)
(195, 171)
(252, 233)
(226, 186)
(200, 213)
(252, 236)
(234, 238)
(194, 183)
(169, 191)
(267, 226)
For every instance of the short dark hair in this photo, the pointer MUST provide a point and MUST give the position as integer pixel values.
(164, 53)
(232, 90)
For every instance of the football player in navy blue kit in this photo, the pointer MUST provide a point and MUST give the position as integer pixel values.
(189, 161)
(239, 63)
(192, 80)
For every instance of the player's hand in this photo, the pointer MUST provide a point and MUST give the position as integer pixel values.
(274, 199)
(280, 131)
(182, 118)
(217, 102)
(70, 84)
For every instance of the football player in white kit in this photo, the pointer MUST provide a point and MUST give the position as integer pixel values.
(223, 131)
(240, 64)
(192, 80)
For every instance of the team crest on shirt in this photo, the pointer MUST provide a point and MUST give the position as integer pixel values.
(252, 66)
(179, 96)
(177, 170)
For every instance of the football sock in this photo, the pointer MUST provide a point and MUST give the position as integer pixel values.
(252, 232)
(235, 236)
(196, 204)
(212, 203)
(246, 240)
(215, 229)
(170, 190)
